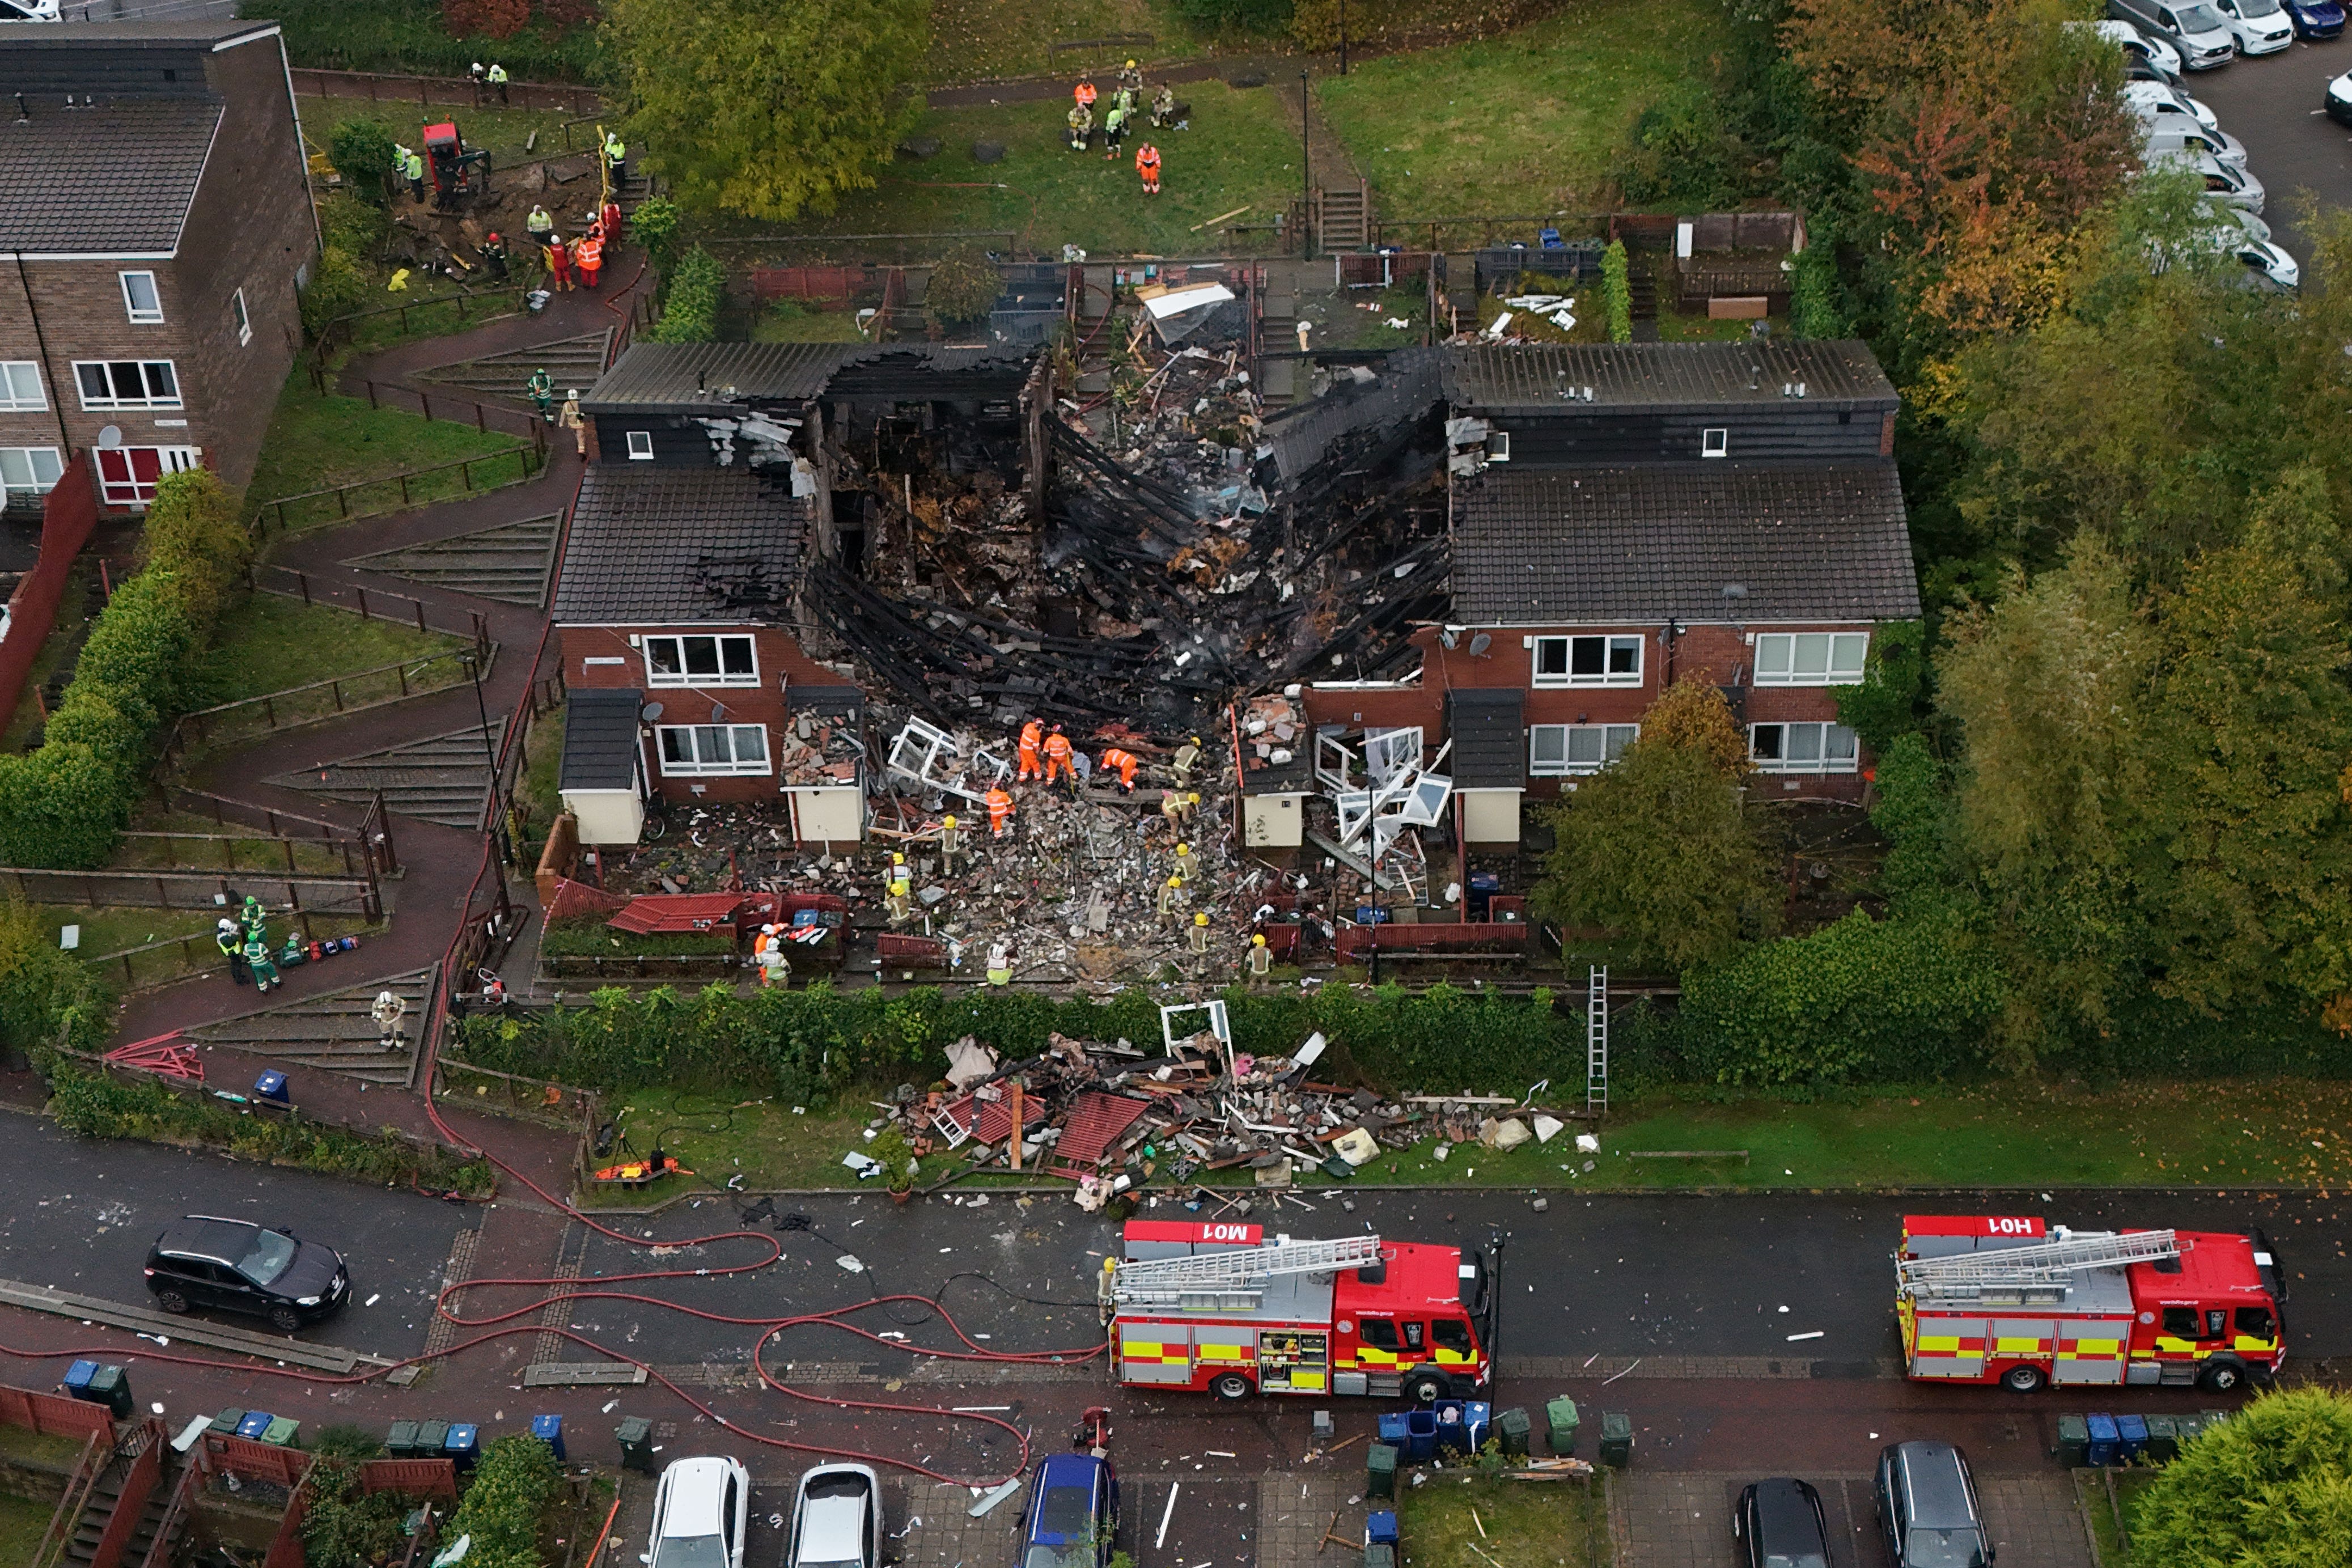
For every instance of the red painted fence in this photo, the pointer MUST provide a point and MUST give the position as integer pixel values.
(68, 514)
(53, 1415)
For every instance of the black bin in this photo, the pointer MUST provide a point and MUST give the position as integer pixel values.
(636, 1438)
(1616, 1438)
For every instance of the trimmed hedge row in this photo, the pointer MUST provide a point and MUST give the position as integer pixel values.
(691, 299)
(64, 803)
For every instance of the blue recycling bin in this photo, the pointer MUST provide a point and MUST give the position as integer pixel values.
(2100, 1451)
(1452, 1433)
(253, 1425)
(1479, 1416)
(2131, 1438)
(549, 1429)
(1392, 1429)
(1484, 886)
(1380, 1527)
(463, 1446)
(78, 1377)
(270, 1089)
(1420, 1435)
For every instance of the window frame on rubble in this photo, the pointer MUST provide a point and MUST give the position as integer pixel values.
(1563, 766)
(734, 766)
(679, 675)
(1544, 648)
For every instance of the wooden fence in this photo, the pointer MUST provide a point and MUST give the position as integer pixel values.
(380, 87)
(97, 1454)
(373, 833)
(53, 1415)
(316, 893)
(138, 1485)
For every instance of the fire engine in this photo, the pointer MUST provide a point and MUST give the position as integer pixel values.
(2001, 1298)
(1218, 1307)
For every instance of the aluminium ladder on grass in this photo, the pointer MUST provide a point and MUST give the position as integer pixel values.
(1596, 1041)
(2054, 1261)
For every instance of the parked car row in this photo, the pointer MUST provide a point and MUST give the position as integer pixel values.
(1926, 1505)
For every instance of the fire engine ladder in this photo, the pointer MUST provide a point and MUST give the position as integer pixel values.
(1596, 1042)
(2046, 1263)
(1231, 1280)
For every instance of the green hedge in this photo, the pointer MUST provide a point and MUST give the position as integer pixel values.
(807, 1043)
(47, 997)
(1617, 291)
(92, 1105)
(407, 37)
(64, 804)
(692, 296)
(500, 1511)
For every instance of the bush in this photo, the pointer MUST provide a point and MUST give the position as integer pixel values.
(338, 287)
(655, 225)
(340, 1526)
(1237, 16)
(354, 226)
(60, 806)
(1818, 307)
(1677, 155)
(695, 292)
(362, 151)
(502, 1504)
(194, 527)
(2266, 1487)
(47, 997)
(965, 285)
(1617, 291)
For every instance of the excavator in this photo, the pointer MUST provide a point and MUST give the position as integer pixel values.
(458, 173)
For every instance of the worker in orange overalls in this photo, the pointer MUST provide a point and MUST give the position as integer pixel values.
(1031, 734)
(999, 810)
(1123, 764)
(1057, 756)
(1085, 93)
(588, 255)
(1147, 164)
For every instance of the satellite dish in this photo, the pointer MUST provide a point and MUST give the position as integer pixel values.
(649, 712)
(718, 712)
(1447, 638)
(1480, 644)
(1735, 590)
(111, 437)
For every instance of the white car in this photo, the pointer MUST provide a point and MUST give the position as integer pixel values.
(2262, 257)
(2180, 134)
(2154, 100)
(2262, 26)
(2224, 184)
(2237, 221)
(836, 1518)
(701, 1510)
(2191, 26)
(2135, 43)
(30, 11)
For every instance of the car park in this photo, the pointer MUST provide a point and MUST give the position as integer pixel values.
(236, 1266)
(2261, 26)
(836, 1518)
(2174, 134)
(2156, 101)
(701, 1508)
(2196, 30)
(2315, 20)
(1073, 1513)
(1928, 1508)
(1778, 1523)
(2224, 183)
(2153, 55)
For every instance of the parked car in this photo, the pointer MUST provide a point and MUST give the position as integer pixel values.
(1927, 1507)
(2180, 133)
(2155, 101)
(2338, 101)
(236, 1266)
(2315, 19)
(1780, 1524)
(2139, 50)
(700, 1509)
(836, 1518)
(2261, 26)
(1073, 1513)
(2266, 262)
(2224, 183)
(2195, 29)
(2237, 222)
(30, 11)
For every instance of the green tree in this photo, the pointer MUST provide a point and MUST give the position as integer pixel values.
(1694, 712)
(42, 989)
(768, 110)
(1913, 809)
(2270, 1488)
(337, 288)
(964, 285)
(361, 150)
(655, 225)
(1657, 849)
(1890, 698)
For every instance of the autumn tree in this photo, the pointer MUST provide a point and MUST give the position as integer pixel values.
(767, 110)
(1693, 713)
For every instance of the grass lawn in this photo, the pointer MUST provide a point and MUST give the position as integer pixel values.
(320, 439)
(717, 1138)
(1242, 148)
(1521, 124)
(540, 795)
(2091, 1495)
(23, 1522)
(502, 131)
(1458, 1521)
(974, 40)
(45, 1451)
(228, 845)
(114, 929)
(269, 643)
(789, 321)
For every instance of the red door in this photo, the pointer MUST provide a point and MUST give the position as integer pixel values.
(127, 475)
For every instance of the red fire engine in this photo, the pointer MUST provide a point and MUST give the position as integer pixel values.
(1216, 1307)
(2000, 1298)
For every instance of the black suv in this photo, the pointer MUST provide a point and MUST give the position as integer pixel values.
(202, 1261)
(1781, 1523)
(1927, 1506)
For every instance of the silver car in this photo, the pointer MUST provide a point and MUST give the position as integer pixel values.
(836, 1518)
(2196, 30)
(2224, 183)
(2178, 134)
(2261, 26)
(2156, 100)
(2138, 46)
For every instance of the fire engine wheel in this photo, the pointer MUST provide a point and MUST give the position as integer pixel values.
(2023, 1380)
(1230, 1386)
(1426, 1389)
(2222, 1377)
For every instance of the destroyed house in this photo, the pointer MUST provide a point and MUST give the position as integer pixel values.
(707, 500)
(1622, 516)
(155, 218)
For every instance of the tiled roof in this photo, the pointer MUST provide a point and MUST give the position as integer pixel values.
(718, 377)
(650, 546)
(1702, 540)
(1487, 726)
(1665, 375)
(174, 34)
(1405, 386)
(114, 179)
(600, 738)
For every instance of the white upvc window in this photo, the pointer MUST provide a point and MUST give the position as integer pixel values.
(1803, 748)
(244, 321)
(687, 749)
(641, 445)
(1588, 661)
(127, 383)
(1810, 658)
(30, 470)
(1715, 442)
(141, 299)
(1556, 749)
(701, 662)
(20, 386)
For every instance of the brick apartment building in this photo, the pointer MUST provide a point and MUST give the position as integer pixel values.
(155, 225)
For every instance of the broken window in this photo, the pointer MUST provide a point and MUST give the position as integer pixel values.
(127, 383)
(1388, 753)
(713, 748)
(701, 662)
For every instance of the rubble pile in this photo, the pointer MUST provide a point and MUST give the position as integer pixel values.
(817, 751)
(1114, 1116)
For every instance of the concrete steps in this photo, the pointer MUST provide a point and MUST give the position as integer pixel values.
(333, 1033)
(440, 778)
(512, 562)
(1343, 218)
(571, 362)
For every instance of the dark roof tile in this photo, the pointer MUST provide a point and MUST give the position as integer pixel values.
(600, 738)
(652, 545)
(114, 179)
(1665, 375)
(719, 377)
(1488, 728)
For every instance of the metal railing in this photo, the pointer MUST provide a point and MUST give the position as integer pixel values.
(528, 461)
(354, 599)
(380, 86)
(511, 296)
(295, 706)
